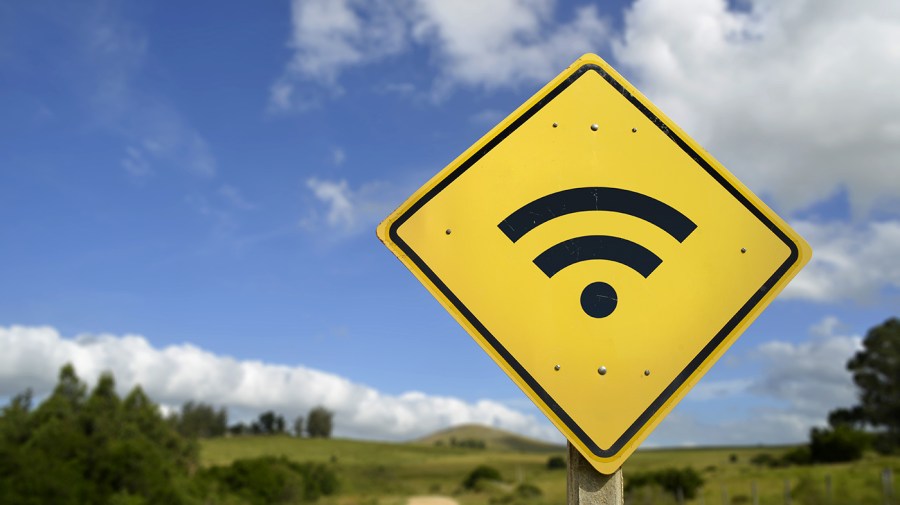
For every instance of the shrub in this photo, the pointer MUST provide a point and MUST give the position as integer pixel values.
(556, 463)
(687, 480)
(523, 493)
(839, 444)
(765, 459)
(528, 491)
(479, 474)
(799, 456)
(270, 480)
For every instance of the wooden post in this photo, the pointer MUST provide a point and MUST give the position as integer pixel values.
(887, 486)
(586, 486)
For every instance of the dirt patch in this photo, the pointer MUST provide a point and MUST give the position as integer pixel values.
(431, 500)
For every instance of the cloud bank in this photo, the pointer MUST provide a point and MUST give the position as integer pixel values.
(798, 98)
(470, 43)
(798, 384)
(173, 375)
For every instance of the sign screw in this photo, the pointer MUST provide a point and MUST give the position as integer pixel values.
(601, 370)
(555, 125)
(743, 250)
(646, 372)
(556, 368)
(634, 130)
(449, 231)
(595, 127)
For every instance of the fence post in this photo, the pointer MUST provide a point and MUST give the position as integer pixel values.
(754, 492)
(586, 486)
(887, 486)
(828, 489)
(787, 491)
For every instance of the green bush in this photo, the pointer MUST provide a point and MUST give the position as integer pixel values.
(479, 474)
(79, 447)
(523, 494)
(799, 456)
(556, 463)
(272, 480)
(672, 480)
(836, 445)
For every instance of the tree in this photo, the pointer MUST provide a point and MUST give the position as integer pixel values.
(298, 426)
(269, 423)
(198, 419)
(839, 444)
(876, 372)
(77, 448)
(319, 423)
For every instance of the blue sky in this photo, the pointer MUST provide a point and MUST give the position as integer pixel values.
(190, 192)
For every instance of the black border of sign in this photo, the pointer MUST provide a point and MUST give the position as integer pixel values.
(510, 360)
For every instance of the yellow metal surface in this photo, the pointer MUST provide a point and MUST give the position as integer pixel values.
(591, 129)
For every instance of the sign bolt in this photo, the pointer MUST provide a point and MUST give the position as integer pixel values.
(556, 368)
(601, 370)
(595, 127)
(646, 372)
(449, 231)
(743, 250)
(555, 125)
(634, 130)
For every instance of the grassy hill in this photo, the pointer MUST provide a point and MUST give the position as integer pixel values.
(492, 438)
(381, 473)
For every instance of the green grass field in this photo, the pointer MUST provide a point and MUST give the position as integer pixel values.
(389, 473)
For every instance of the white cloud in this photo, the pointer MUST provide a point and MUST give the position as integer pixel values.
(480, 44)
(849, 262)
(798, 98)
(798, 384)
(338, 156)
(235, 197)
(172, 375)
(112, 64)
(348, 211)
(504, 43)
(135, 163)
(713, 390)
(811, 377)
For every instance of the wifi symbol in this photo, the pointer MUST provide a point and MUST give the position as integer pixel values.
(598, 299)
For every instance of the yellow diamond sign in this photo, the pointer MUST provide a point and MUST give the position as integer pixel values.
(599, 255)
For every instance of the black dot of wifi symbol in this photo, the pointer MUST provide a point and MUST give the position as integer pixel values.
(598, 299)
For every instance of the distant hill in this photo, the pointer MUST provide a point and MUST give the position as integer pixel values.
(473, 435)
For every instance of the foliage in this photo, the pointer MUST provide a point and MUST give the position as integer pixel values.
(797, 456)
(556, 463)
(270, 480)
(876, 372)
(319, 423)
(91, 448)
(523, 493)
(839, 444)
(853, 417)
(268, 423)
(298, 426)
(199, 420)
(468, 443)
(673, 480)
(481, 473)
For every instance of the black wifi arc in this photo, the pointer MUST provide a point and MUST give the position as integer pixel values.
(598, 299)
